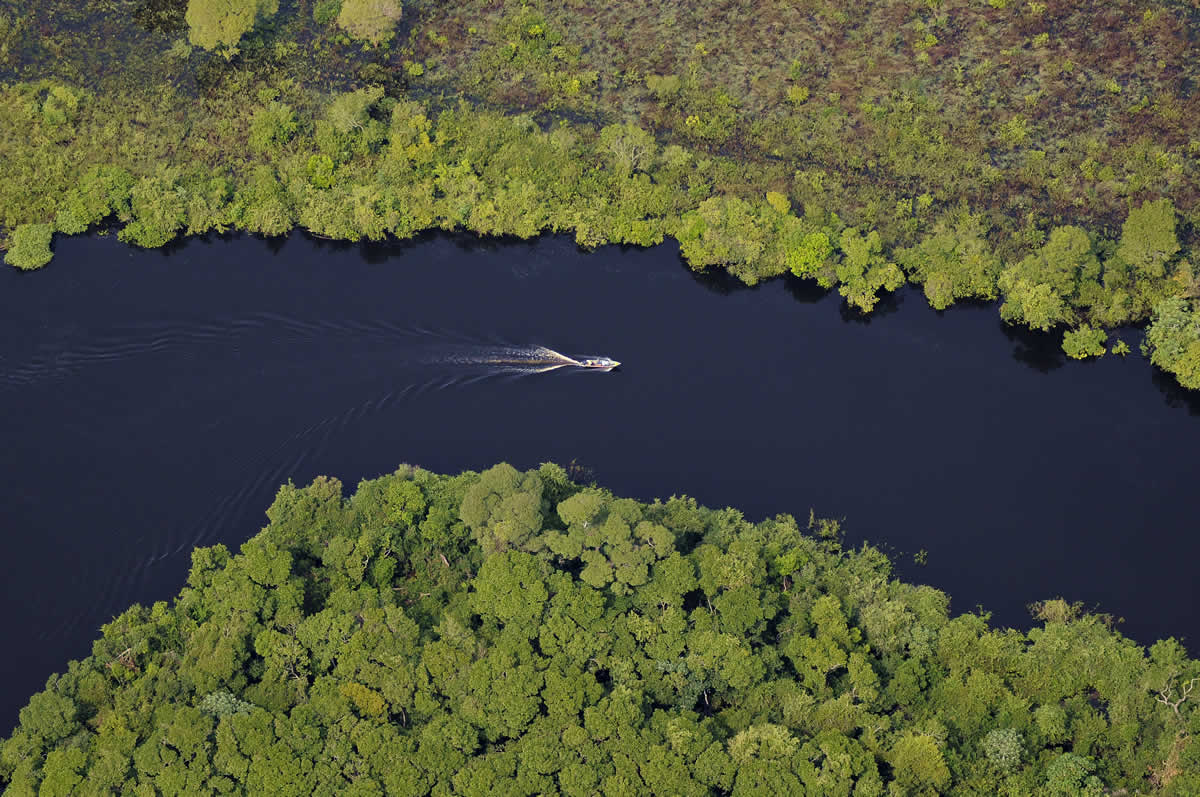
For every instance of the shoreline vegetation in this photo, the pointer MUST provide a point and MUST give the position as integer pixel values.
(512, 632)
(1042, 155)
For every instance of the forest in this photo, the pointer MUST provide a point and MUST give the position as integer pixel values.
(1042, 155)
(517, 633)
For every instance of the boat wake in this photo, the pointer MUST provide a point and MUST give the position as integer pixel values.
(72, 350)
(511, 359)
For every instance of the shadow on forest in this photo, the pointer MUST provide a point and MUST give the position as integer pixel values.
(161, 16)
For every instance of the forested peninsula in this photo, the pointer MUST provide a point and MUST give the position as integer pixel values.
(516, 633)
(1045, 155)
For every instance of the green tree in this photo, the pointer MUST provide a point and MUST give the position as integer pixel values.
(63, 772)
(864, 271)
(61, 105)
(918, 762)
(159, 208)
(1004, 747)
(610, 538)
(102, 191)
(954, 262)
(320, 170)
(1035, 304)
(629, 147)
(1084, 342)
(810, 254)
(222, 704)
(503, 509)
(727, 231)
(370, 20)
(1071, 774)
(763, 756)
(1173, 340)
(29, 247)
(510, 587)
(263, 205)
(349, 112)
(271, 127)
(1040, 290)
(208, 204)
(1148, 240)
(220, 24)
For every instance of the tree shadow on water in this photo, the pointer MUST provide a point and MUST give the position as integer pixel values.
(804, 291)
(888, 303)
(323, 243)
(472, 243)
(182, 242)
(1039, 350)
(378, 252)
(1174, 394)
(373, 252)
(718, 280)
(275, 243)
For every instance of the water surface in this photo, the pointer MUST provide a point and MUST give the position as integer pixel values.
(154, 401)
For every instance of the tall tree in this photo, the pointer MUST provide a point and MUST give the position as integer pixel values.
(219, 25)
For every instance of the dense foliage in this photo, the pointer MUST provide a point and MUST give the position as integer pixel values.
(515, 633)
(1043, 154)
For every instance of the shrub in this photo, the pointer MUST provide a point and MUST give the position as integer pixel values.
(159, 211)
(30, 246)
(320, 171)
(369, 20)
(272, 127)
(61, 106)
(1079, 344)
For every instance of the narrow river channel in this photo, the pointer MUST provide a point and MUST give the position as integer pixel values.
(153, 402)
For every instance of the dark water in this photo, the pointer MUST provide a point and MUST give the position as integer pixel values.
(153, 402)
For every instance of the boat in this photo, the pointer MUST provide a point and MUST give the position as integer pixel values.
(602, 363)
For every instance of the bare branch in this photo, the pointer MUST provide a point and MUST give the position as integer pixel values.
(1166, 694)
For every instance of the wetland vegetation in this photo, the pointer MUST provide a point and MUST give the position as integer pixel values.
(518, 633)
(1042, 155)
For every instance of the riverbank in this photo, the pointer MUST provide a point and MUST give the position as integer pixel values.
(1075, 209)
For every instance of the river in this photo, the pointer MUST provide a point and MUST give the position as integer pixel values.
(154, 401)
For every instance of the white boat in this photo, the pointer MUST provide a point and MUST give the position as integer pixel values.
(601, 363)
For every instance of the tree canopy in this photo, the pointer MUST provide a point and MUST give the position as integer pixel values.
(370, 20)
(516, 633)
(220, 24)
